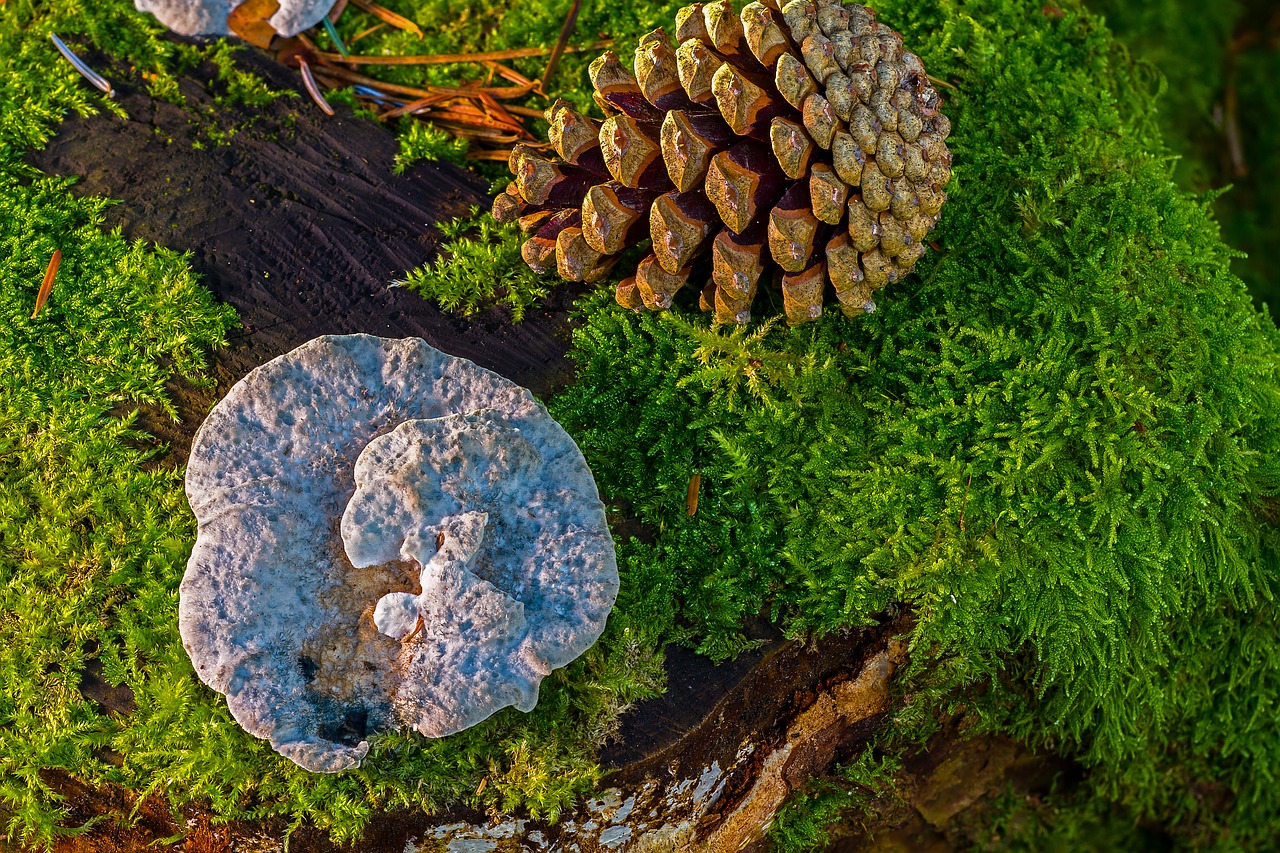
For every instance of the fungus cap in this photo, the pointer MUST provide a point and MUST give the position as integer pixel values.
(210, 17)
(388, 536)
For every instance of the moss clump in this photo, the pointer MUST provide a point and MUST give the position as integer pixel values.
(1056, 446)
(1220, 113)
(480, 267)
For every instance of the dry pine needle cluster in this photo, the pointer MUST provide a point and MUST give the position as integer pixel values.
(799, 140)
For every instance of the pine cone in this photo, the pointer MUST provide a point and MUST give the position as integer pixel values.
(802, 138)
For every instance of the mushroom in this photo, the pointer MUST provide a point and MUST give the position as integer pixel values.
(211, 17)
(388, 537)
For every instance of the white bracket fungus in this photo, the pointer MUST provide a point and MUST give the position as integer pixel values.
(388, 536)
(211, 17)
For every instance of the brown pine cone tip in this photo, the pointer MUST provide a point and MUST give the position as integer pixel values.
(800, 137)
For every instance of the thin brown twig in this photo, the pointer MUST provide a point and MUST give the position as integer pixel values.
(500, 154)
(448, 58)
(938, 81)
(516, 109)
(312, 89)
(367, 31)
(349, 76)
(1231, 121)
(500, 112)
(471, 120)
(566, 31)
(414, 106)
(478, 133)
(509, 74)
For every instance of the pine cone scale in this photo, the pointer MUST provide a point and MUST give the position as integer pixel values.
(802, 137)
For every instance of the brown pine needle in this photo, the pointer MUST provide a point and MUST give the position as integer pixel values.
(414, 106)
(691, 497)
(502, 154)
(447, 58)
(397, 21)
(565, 32)
(340, 73)
(365, 33)
(509, 74)
(47, 285)
(525, 111)
(312, 89)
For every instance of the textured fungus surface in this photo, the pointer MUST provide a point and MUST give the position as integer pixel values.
(389, 536)
(210, 17)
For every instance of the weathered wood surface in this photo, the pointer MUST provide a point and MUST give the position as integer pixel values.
(300, 225)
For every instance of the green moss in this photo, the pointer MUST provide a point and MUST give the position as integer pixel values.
(1055, 445)
(479, 267)
(853, 794)
(1220, 113)
(424, 141)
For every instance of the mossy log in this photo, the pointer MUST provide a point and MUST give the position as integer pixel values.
(299, 224)
(1060, 457)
